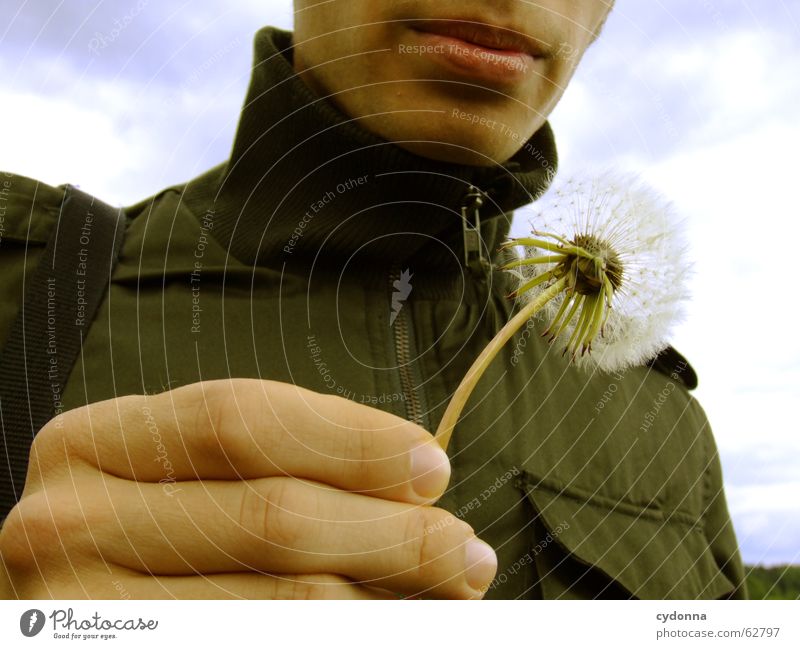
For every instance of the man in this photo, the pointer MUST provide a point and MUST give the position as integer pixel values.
(288, 328)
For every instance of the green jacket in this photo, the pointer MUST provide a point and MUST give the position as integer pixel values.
(285, 263)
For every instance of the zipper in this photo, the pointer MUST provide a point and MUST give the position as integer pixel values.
(477, 265)
(404, 347)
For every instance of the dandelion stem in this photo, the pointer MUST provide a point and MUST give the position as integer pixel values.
(468, 383)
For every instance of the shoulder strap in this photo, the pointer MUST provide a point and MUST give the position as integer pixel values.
(58, 308)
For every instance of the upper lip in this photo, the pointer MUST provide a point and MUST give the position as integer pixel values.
(481, 33)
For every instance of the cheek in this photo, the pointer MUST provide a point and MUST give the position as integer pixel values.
(378, 59)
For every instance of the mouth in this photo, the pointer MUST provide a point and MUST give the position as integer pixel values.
(483, 35)
(494, 55)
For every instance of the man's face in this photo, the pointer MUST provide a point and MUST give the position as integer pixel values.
(458, 80)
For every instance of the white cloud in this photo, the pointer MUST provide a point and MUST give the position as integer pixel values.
(156, 107)
(768, 521)
(119, 139)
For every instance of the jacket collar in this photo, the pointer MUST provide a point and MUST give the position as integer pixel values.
(306, 182)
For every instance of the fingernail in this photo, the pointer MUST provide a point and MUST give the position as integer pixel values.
(430, 470)
(481, 564)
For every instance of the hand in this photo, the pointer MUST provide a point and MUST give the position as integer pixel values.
(237, 488)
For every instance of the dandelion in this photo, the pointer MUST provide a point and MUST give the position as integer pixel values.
(606, 267)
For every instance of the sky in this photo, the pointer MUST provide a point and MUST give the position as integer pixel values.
(701, 97)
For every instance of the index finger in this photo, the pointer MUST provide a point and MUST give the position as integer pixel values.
(248, 428)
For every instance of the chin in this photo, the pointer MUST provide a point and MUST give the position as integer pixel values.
(441, 142)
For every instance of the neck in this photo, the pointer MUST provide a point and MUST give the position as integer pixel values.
(307, 183)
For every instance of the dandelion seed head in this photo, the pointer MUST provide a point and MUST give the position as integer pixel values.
(622, 252)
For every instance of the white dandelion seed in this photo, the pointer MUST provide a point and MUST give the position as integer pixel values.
(622, 253)
(606, 265)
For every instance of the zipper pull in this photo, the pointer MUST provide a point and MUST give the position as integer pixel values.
(473, 251)
(471, 225)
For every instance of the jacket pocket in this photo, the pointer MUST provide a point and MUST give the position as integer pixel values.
(594, 546)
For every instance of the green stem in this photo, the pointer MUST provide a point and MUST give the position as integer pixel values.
(547, 245)
(547, 259)
(539, 279)
(468, 383)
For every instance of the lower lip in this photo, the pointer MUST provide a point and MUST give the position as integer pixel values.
(503, 66)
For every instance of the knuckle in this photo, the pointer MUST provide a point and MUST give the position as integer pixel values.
(53, 438)
(318, 587)
(33, 528)
(432, 534)
(269, 512)
(76, 434)
(362, 452)
(15, 549)
(50, 536)
(420, 530)
(220, 425)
